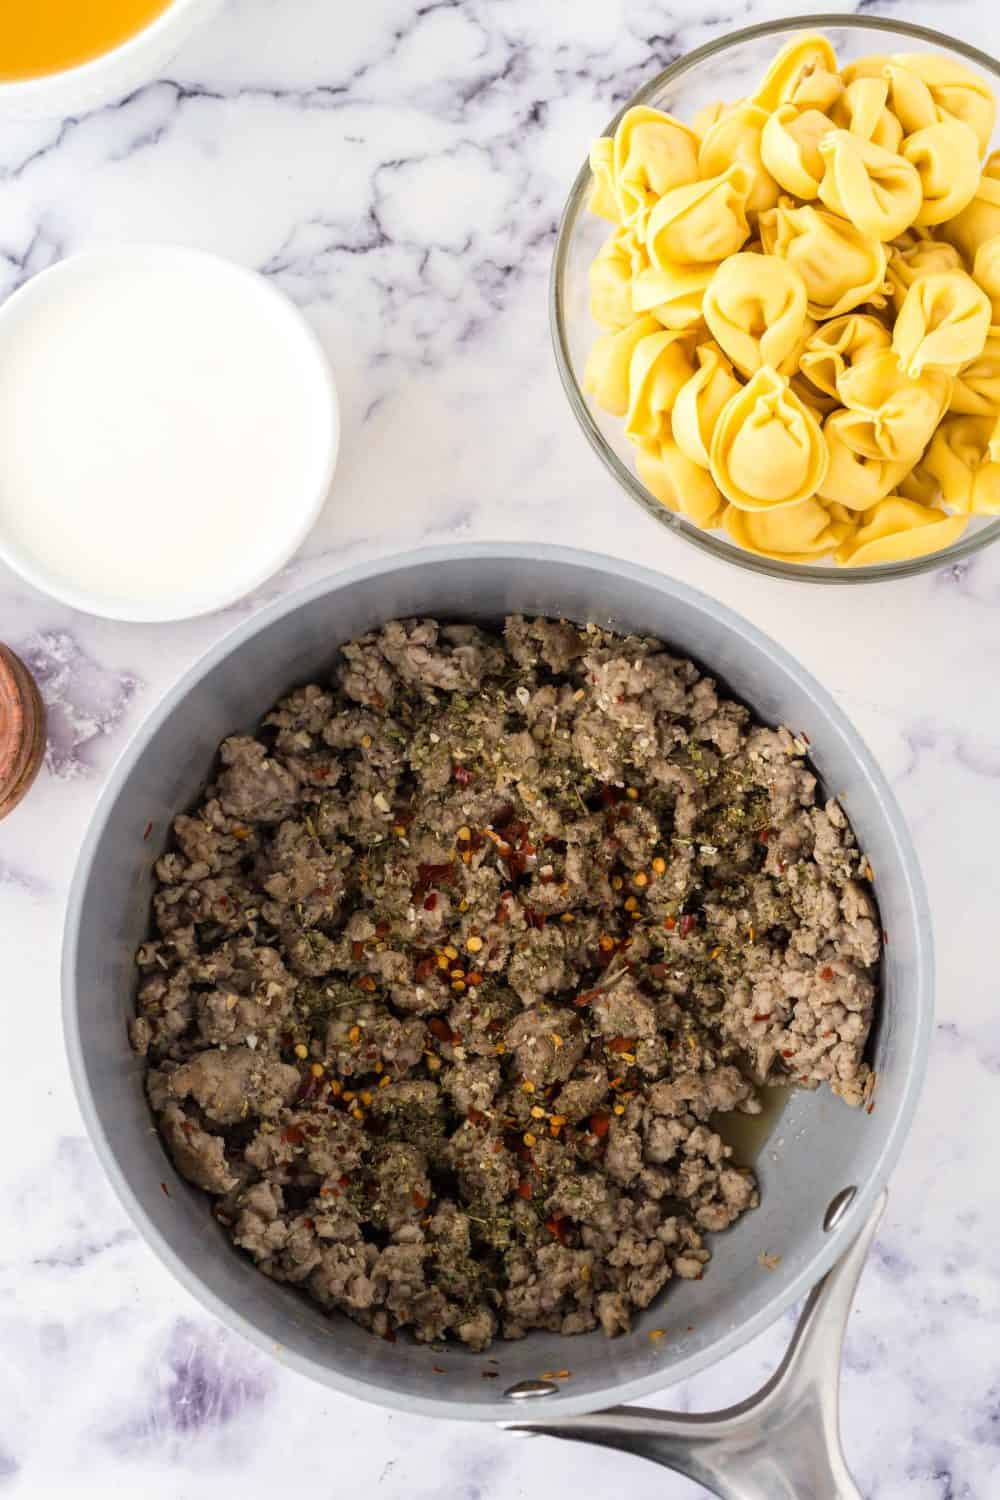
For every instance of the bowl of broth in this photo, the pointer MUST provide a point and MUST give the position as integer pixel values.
(60, 57)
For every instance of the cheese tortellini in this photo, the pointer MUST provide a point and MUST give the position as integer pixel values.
(946, 158)
(767, 448)
(834, 347)
(878, 191)
(736, 137)
(704, 221)
(801, 306)
(755, 308)
(960, 460)
(841, 266)
(699, 402)
(942, 324)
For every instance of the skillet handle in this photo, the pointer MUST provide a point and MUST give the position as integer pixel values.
(782, 1443)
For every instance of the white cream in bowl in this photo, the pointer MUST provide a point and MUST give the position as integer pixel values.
(168, 431)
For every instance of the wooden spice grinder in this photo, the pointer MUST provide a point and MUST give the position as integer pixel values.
(22, 730)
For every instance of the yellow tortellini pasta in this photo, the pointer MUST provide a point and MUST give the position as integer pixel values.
(946, 158)
(960, 460)
(699, 402)
(911, 257)
(877, 190)
(755, 308)
(803, 73)
(606, 376)
(840, 266)
(994, 444)
(942, 324)
(976, 389)
(855, 480)
(652, 153)
(986, 273)
(704, 221)
(612, 276)
(979, 221)
(796, 533)
(603, 199)
(836, 346)
(673, 294)
(896, 529)
(680, 485)
(659, 366)
(863, 110)
(736, 137)
(767, 448)
(888, 414)
(801, 306)
(789, 146)
(957, 93)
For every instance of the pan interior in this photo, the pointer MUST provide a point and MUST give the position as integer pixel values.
(817, 1148)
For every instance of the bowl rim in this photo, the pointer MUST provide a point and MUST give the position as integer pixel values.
(296, 330)
(33, 90)
(715, 545)
(921, 996)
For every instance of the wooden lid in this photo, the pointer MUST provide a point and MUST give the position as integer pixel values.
(22, 730)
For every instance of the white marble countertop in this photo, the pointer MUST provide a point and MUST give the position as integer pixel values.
(398, 170)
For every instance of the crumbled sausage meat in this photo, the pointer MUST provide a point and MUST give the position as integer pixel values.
(461, 956)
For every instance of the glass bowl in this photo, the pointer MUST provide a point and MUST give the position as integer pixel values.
(725, 68)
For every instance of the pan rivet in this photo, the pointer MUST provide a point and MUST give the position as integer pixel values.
(529, 1390)
(838, 1208)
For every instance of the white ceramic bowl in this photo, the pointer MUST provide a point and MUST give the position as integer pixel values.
(113, 74)
(128, 477)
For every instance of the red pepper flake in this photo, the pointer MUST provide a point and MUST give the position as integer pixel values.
(164, 1189)
(223, 902)
(761, 1015)
(610, 796)
(344, 1181)
(390, 1335)
(461, 775)
(763, 835)
(293, 1134)
(535, 919)
(357, 951)
(670, 923)
(788, 1052)
(419, 1201)
(147, 831)
(686, 924)
(428, 875)
(497, 1147)
(621, 1044)
(600, 1123)
(524, 1189)
(826, 972)
(476, 1116)
(804, 736)
(366, 982)
(439, 1028)
(437, 1369)
(489, 1374)
(557, 1228)
(431, 903)
(585, 998)
(321, 772)
(425, 968)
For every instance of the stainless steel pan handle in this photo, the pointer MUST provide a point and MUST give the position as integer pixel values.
(782, 1443)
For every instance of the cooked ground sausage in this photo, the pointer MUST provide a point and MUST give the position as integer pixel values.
(459, 957)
